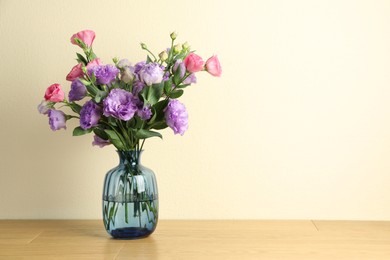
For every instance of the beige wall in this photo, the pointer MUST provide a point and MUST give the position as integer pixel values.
(298, 127)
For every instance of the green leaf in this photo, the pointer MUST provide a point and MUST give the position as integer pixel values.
(111, 212)
(177, 75)
(101, 133)
(79, 131)
(159, 125)
(161, 105)
(80, 42)
(176, 93)
(112, 121)
(143, 134)
(148, 59)
(152, 94)
(155, 93)
(183, 85)
(92, 90)
(115, 139)
(112, 134)
(85, 82)
(81, 58)
(167, 87)
(100, 95)
(159, 110)
(75, 107)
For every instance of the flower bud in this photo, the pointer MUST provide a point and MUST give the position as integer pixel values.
(177, 48)
(143, 46)
(127, 75)
(163, 56)
(173, 36)
(186, 46)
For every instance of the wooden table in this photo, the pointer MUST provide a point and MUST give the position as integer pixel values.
(290, 240)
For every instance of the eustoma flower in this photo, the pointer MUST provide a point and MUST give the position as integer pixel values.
(86, 36)
(179, 67)
(93, 63)
(120, 104)
(213, 66)
(43, 107)
(176, 116)
(54, 93)
(104, 74)
(78, 91)
(75, 72)
(57, 119)
(90, 115)
(127, 71)
(126, 103)
(144, 113)
(97, 141)
(151, 73)
(193, 63)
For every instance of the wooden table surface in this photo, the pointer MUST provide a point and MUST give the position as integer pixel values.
(290, 240)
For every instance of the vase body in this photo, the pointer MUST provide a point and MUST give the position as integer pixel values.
(130, 198)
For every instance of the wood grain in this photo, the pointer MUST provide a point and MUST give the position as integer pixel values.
(198, 239)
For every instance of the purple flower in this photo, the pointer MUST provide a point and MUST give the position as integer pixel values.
(77, 91)
(127, 71)
(57, 119)
(139, 66)
(43, 107)
(124, 63)
(137, 87)
(176, 116)
(179, 65)
(127, 74)
(100, 141)
(151, 73)
(190, 79)
(105, 74)
(144, 113)
(120, 104)
(89, 115)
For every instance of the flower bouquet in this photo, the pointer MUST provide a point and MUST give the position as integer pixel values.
(124, 104)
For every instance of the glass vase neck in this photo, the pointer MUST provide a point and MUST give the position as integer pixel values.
(131, 157)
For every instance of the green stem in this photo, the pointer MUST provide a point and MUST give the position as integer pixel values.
(126, 135)
(154, 57)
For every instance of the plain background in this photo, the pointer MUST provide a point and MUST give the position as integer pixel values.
(297, 127)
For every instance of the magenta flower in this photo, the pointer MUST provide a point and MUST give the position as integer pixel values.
(93, 63)
(86, 36)
(213, 66)
(75, 72)
(193, 63)
(54, 93)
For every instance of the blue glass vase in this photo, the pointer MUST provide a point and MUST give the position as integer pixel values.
(130, 198)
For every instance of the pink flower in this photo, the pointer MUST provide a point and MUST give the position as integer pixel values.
(54, 93)
(87, 36)
(94, 63)
(193, 63)
(75, 73)
(213, 66)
